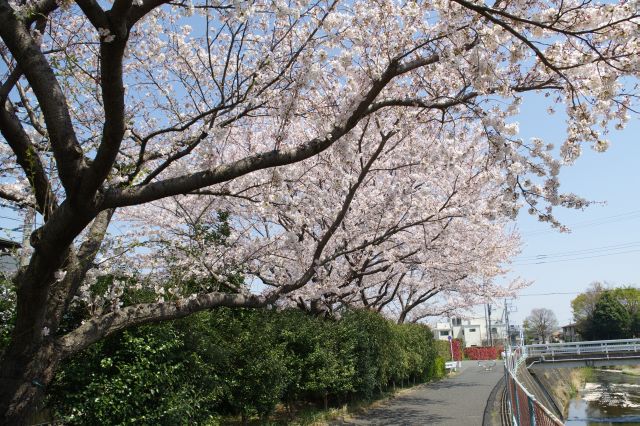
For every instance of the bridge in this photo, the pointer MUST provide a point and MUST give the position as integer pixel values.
(525, 398)
(584, 354)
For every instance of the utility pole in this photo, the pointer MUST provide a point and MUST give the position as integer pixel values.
(508, 308)
(506, 320)
(486, 324)
(489, 330)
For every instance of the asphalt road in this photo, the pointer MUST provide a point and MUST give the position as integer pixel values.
(455, 401)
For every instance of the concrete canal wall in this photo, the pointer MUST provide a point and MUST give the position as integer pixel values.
(553, 387)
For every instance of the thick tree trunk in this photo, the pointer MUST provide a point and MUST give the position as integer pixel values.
(27, 363)
(31, 358)
(24, 378)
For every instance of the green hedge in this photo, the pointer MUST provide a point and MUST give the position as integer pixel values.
(443, 348)
(238, 361)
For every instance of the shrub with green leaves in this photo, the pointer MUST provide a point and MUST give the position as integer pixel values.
(7, 311)
(239, 362)
(142, 376)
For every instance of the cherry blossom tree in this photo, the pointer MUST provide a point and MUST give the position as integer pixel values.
(402, 212)
(110, 107)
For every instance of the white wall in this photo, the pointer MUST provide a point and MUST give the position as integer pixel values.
(478, 336)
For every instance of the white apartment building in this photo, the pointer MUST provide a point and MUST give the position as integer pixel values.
(473, 331)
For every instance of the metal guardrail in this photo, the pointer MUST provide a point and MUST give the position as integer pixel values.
(603, 347)
(525, 410)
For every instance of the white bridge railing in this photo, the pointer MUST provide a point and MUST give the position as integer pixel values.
(525, 410)
(592, 348)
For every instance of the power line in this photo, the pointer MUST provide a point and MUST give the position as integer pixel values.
(580, 252)
(577, 258)
(635, 214)
(11, 218)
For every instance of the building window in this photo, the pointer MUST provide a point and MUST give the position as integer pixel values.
(494, 330)
(456, 321)
(472, 330)
(444, 333)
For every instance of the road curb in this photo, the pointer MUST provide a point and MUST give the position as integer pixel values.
(492, 403)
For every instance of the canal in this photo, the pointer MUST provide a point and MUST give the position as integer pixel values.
(609, 397)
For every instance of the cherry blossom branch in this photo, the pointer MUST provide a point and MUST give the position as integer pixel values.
(94, 13)
(78, 263)
(15, 198)
(316, 262)
(190, 144)
(547, 26)
(25, 50)
(380, 302)
(34, 120)
(112, 48)
(28, 159)
(422, 103)
(224, 105)
(481, 11)
(187, 183)
(9, 84)
(138, 12)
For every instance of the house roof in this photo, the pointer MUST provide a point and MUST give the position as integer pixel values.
(8, 244)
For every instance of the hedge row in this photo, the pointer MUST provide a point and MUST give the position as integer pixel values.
(237, 361)
(483, 352)
(444, 349)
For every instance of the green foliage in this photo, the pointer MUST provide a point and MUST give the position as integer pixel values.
(584, 303)
(610, 320)
(635, 325)
(7, 312)
(369, 336)
(253, 360)
(608, 314)
(629, 297)
(418, 353)
(443, 349)
(438, 370)
(239, 361)
(320, 360)
(142, 376)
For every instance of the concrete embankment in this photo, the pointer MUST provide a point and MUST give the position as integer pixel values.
(553, 387)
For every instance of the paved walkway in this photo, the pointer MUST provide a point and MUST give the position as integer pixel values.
(455, 401)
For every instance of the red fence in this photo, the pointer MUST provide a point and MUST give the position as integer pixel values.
(483, 352)
(457, 349)
(525, 409)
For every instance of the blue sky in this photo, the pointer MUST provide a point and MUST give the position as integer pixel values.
(604, 244)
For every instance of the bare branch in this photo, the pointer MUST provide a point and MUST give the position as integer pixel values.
(145, 313)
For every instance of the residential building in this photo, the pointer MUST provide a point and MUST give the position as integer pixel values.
(8, 260)
(473, 331)
(570, 334)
